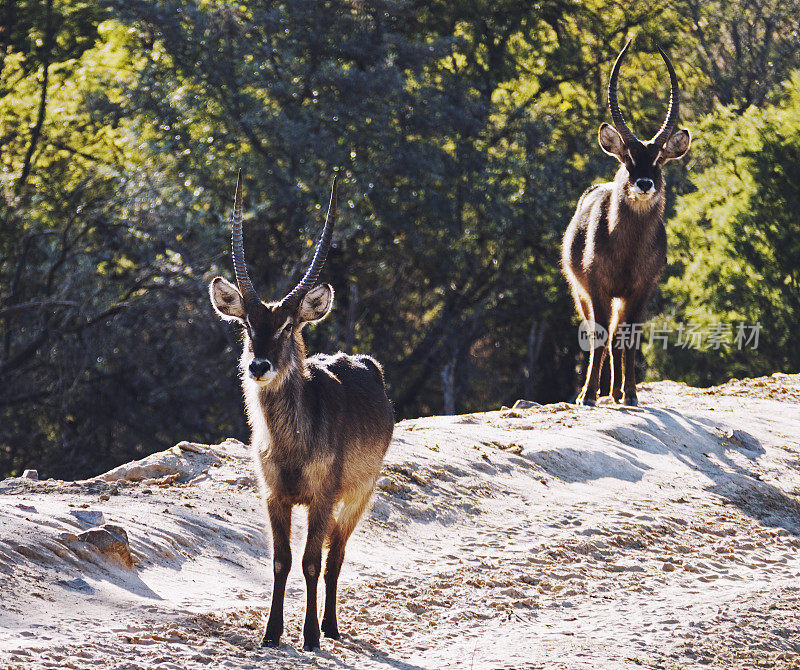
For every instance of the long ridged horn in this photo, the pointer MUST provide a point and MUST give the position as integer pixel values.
(661, 137)
(237, 245)
(613, 105)
(292, 300)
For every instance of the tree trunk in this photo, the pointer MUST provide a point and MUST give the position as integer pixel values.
(41, 114)
(350, 319)
(535, 338)
(448, 376)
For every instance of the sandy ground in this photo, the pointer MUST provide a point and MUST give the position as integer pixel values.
(556, 537)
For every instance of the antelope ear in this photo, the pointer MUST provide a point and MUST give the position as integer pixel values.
(611, 141)
(316, 304)
(227, 300)
(676, 146)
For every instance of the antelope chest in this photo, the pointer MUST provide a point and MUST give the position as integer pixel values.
(622, 274)
(627, 262)
(298, 482)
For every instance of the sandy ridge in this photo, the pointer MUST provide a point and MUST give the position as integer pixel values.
(555, 537)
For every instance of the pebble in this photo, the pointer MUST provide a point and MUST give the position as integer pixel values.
(90, 517)
(188, 446)
(31, 474)
(76, 584)
(386, 484)
(111, 541)
(744, 440)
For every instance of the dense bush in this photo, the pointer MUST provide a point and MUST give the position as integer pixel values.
(463, 132)
(735, 246)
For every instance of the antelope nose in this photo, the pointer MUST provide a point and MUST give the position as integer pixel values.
(259, 366)
(644, 184)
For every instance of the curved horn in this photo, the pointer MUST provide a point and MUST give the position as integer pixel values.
(613, 105)
(320, 254)
(237, 246)
(661, 137)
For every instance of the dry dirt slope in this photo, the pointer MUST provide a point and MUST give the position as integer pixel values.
(556, 537)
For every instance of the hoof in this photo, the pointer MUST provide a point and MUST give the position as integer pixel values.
(631, 401)
(586, 402)
(310, 646)
(270, 642)
(331, 632)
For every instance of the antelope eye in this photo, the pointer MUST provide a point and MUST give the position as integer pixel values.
(283, 331)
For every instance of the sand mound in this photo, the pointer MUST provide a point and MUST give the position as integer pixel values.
(538, 537)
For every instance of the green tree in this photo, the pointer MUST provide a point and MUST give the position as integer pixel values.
(93, 287)
(463, 133)
(736, 243)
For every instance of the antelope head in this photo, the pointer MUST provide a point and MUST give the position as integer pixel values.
(641, 162)
(273, 343)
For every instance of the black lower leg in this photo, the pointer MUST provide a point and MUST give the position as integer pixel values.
(274, 630)
(319, 517)
(630, 376)
(588, 394)
(330, 625)
(634, 316)
(311, 625)
(616, 371)
(601, 315)
(280, 519)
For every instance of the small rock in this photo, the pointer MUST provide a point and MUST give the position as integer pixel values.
(111, 541)
(743, 439)
(388, 485)
(668, 567)
(90, 517)
(525, 404)
(31, 474)
(76, 584)
(188, 446)
(240, 481)
(421, 480)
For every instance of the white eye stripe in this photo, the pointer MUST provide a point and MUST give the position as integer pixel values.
(658, 157)
(280, 330)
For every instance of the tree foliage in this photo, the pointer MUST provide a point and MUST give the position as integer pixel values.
(735, 243)
(463, 133)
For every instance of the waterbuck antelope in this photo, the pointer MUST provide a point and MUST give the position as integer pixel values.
(615, 245)
(320, 425)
